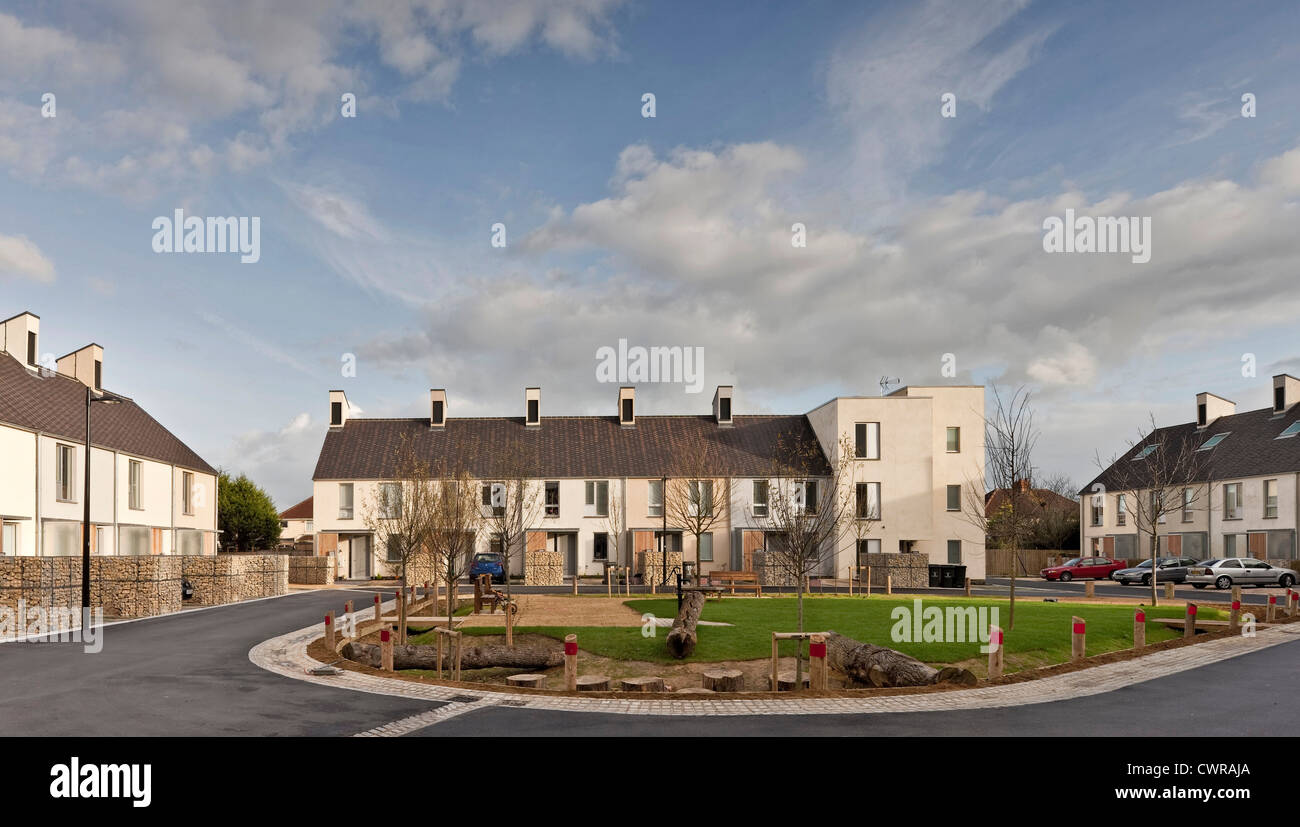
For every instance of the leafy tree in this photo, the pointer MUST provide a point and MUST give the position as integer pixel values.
(246, 515)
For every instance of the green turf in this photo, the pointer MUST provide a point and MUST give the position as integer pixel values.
(1041, 636)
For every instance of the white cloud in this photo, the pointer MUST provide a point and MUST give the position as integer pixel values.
(21, 258)
(280, 460)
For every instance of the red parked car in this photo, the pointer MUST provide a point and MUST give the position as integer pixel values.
(1099, 568)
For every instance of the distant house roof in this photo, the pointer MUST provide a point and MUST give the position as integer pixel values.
(1249, 448)
(301, 511)
(566, 446)
(1039, 497)
(56, 405)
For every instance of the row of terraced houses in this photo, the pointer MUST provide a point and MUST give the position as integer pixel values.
(915, 450)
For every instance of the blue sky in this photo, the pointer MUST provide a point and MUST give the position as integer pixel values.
(924, 232)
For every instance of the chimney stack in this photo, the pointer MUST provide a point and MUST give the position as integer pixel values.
(533, 407)
(437, 408)
(85, 365)
(19, 338)
(339, 409)
(1286, 392)
(627, 406)
(722, 405)
(1210, 407)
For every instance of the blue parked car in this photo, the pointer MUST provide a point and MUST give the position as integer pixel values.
(489, 562)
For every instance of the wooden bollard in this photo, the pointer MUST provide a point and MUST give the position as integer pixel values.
(386, 650)
(1169, 591)
(1234, 618)
(968, 587)
(347, 608)
(1236, 593)
(1272, 609)
(1090, 588)
(850, 581)
(571, 662)
(817, 662)
(868, 580)
(378, 601)
(1189, 621)
(627, 580)
(575, 583)
(889, 584)
(1078, 634)
(329, 629)
(609, 581)
(1292, 602)
(1139, 629)
(995, 652)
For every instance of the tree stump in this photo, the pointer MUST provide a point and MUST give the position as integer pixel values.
(785, 681)
(723, 680)
(867, 663)
(529, 680)
(521, 656)
(644, 684)
(682, 637)
(695, 690)
(593, 683)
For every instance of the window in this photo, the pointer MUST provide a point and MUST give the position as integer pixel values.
(1200, 414)
(134, 541)
(672, 541)
(627, 410)
(533, 411)
(1098, 509)
(9, 539)
(99, 374)
(1214, 440)
(345, 501)
(760, 498)
(1145, 452)
(135, 482)
(1121, 510)
(496, 545)
(31, 348)
(954, 498)
(701, 493)
(189, 541)
(600, 547)
(1158, 509)
(867, 547)
(1188, 498)
(1270, 498)
(954, 552)
(954, 440)
(1291, 430)
(868, 500)
(394, 550)
(808, 490)
(65, 473)
(494, 498)
(437, 412)
(1230, 550)
(597, 504)
(1232, 501)
(187, 492)
(336, 413)
(390, 500)
(552, 500)
(61, 539)
(724, 409)
(866, 440)
(655, 498)
(1279, 398)
(706, 547)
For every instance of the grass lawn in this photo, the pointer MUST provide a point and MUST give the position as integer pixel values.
(1041, 636)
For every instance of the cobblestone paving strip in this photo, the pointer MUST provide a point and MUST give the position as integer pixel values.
(287, 655)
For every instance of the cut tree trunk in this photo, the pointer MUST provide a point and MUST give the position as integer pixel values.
(723, 680)
(867, 663)
(593, 683)
(645, 684)
(682, 637)
(519, 656)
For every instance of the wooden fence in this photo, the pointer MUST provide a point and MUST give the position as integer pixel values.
(1029, 561)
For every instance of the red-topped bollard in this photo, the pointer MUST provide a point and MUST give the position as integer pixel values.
(1234, 617)
(1189, 621)
(386, 650)
(378, 608)
(1077, 638)
(1139, 629)
(571, 663)
(1272, 608)
(329, 629)
(995, 652)
(817, 662)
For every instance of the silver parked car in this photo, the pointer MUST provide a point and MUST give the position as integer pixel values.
(1172, 570)
(1239, 571)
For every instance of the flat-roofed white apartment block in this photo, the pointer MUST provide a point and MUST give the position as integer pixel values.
(918, 442)
(1244, 503)
(149, 493)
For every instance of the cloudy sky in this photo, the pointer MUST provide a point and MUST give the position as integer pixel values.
(924, 233)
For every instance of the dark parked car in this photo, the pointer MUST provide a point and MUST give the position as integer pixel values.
(1172, 570)
(1082, 568)
(489, 562)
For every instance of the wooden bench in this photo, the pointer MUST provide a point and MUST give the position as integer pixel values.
(736, 580)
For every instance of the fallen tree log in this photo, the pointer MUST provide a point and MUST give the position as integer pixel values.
(481, 656)
(682, 637)
(867, 663)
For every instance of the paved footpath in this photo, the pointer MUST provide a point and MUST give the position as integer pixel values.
(1208, 674)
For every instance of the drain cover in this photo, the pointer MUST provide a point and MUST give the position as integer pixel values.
(463, 699)
(513, 703)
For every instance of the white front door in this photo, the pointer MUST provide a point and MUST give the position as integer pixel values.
(359, 558)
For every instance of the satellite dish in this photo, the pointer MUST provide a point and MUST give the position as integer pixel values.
(886, 383)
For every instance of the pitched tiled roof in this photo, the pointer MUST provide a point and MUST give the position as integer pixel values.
(566, 446)
(1250, 449)
(301, 511)
(1035, 497)
(56, 404)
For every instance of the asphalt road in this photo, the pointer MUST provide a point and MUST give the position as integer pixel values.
(185, 675)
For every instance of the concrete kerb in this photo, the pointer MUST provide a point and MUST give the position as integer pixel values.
(286, 655)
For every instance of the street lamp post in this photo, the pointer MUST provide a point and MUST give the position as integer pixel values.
(107, 399)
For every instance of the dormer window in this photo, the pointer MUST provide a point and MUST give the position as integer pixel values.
(626, 416)
(31, 348)
(1279, 398)
(724, 409)
(1200, 414)
(533, 411)
(99, 374)
(437, 413)
(336, 413)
